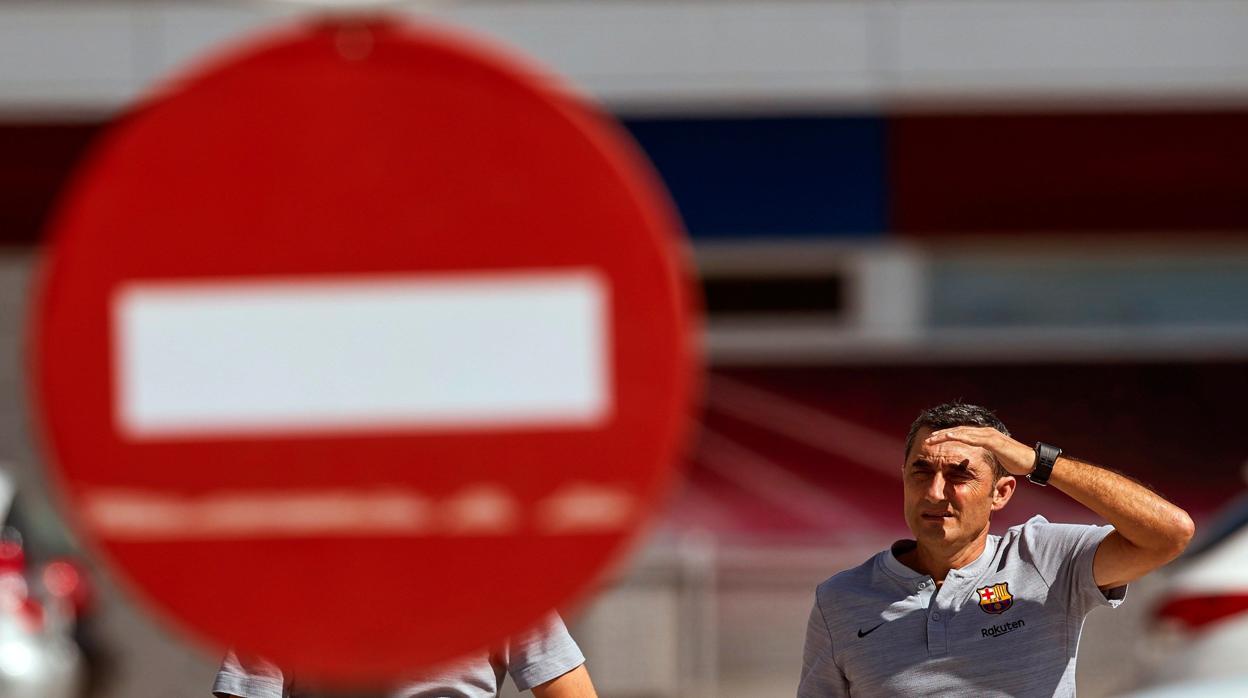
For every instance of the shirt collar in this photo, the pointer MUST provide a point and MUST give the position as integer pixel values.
(893, 566)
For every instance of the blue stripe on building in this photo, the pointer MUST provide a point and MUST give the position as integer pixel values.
(785, 177)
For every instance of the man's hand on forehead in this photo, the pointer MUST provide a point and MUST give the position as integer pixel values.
(1015, 457)
(940, 461)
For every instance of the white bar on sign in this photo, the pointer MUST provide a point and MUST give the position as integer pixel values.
(471, 351)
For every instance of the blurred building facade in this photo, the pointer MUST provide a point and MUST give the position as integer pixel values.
(1038, 206)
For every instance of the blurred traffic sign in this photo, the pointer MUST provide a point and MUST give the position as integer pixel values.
(361, 347)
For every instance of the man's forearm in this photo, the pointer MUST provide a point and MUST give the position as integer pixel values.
(1141, 516)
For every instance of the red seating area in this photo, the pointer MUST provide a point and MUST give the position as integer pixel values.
(814, 453)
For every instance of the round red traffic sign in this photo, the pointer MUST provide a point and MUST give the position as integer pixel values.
(361, 347)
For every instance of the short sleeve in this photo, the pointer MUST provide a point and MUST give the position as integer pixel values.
(544, 653)
(821, 676)
(252, 679)
(1063, 554)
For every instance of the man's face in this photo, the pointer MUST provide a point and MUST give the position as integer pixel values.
(949, 491)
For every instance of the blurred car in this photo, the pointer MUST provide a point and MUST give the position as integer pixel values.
(1200, 625)
(41, 609)
(1225, 687)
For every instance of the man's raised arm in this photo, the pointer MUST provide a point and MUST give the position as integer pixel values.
(1148, 530)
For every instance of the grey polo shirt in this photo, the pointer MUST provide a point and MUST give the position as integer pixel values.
(1007, 624)
(531, 658)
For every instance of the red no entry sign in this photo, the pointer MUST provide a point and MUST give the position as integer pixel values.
(362, 347)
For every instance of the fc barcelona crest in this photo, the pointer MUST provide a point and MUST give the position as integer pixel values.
(995, 598)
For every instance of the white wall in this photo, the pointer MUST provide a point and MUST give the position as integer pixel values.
(92, 57)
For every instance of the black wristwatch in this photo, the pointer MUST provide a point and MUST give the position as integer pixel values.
(1046, 456)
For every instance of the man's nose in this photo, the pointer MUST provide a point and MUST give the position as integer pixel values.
(936, 488)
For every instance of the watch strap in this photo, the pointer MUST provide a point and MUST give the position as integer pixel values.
(1046, 456)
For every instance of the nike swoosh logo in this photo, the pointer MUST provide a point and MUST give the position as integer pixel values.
(862, 634)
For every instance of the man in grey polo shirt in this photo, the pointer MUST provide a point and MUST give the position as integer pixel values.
(959, 611)
(545, 661)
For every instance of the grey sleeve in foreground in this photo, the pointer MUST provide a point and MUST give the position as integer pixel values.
(256, 680)
(820, 674)
(1063, 555)
(542, 654)
(1083, 581)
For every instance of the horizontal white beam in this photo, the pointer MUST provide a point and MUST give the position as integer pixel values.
(730, 343)
(698, 55)
(411, 352)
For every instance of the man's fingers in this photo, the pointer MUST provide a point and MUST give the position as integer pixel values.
(967, 435)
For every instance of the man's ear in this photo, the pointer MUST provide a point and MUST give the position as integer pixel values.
(1002, 491)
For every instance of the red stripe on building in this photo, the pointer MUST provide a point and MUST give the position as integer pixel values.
(1098, 172)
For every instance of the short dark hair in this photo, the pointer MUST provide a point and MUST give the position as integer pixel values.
(957, 414)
